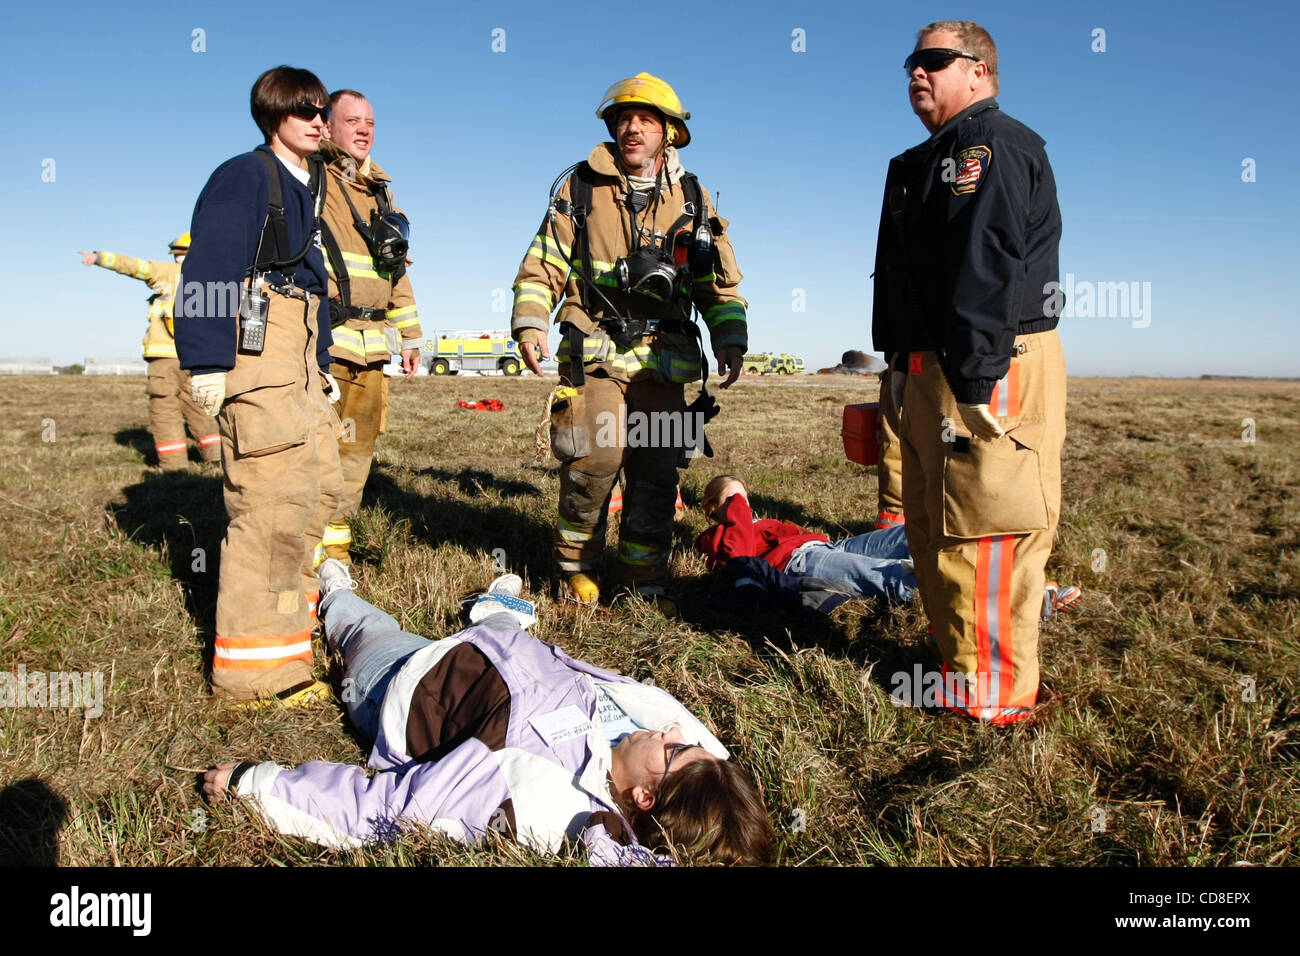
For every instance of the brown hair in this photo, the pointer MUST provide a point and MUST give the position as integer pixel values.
(972, 38)
(712, 807)
(712, 499)
(278, 91)
(339, 94)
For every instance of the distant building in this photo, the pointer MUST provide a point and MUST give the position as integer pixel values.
(115, 367)
(26, 366)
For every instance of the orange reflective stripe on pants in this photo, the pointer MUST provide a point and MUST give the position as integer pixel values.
(261, 653)
(279, 450)
(980, 558)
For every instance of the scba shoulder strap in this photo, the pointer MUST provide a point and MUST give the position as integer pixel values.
(275, 230)
(335, 252)
(582, 185)
(696, 255)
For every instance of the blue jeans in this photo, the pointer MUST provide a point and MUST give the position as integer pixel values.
(871, 563)
(374, 649)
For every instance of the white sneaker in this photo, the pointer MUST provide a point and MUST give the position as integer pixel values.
(334, 574)
(498, 601)
(511, 584)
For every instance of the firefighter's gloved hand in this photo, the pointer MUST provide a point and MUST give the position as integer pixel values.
(730, 363)
(980, 421)
(330, 386)
(532, 346)
(208, 390)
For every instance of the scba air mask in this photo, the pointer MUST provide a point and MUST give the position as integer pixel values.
(388, 237)
(650, 273)
(654, 273)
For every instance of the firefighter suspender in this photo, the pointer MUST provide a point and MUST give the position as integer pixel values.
(335, 253)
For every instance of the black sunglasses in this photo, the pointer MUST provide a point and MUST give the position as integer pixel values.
(309, 111)
(673, 751)
(934, 59)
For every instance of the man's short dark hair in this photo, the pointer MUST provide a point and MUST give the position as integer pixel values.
(278, 91)
(339, 94)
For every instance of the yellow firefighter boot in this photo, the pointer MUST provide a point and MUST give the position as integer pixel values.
(580, 589)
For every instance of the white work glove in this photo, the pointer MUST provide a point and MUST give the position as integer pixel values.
(331, 387)
(208, 390)
(980, 421)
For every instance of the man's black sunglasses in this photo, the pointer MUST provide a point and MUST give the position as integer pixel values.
(309, 111)
(934, 59)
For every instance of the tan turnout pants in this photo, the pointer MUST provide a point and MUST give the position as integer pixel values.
(363, 414)
(279, 446)
(889, 472)
(171, 409)
(980, 521)
(592, 448)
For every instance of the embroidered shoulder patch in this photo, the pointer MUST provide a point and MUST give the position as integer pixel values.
(972, 163)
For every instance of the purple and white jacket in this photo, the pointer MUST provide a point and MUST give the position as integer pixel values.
(542, 789)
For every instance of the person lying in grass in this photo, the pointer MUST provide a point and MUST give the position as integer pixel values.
(876, 564)
(492, 729)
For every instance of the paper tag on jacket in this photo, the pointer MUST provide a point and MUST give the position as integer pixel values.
(561, 725)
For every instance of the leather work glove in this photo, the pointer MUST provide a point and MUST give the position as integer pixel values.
(532, 346)
(330, 386)
(980, 421)
(730, 363)
(209, 391)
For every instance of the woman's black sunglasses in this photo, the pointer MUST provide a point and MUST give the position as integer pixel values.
(309, 111)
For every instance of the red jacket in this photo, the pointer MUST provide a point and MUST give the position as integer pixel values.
(740, 536)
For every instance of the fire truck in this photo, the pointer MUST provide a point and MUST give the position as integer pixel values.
(761, 363)
(475, 351)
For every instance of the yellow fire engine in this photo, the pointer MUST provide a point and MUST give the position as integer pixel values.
(760, 363)
(475, 351)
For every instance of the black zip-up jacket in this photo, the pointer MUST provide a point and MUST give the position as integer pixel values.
(226, 226)
(968, 244)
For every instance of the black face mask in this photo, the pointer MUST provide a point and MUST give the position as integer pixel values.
(387, 237)
(648, 272)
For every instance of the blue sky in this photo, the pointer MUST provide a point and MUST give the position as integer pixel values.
(1147, 140)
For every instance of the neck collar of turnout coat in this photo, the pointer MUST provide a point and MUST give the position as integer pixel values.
(368, 171)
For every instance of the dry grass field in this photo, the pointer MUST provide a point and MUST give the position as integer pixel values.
(1169, 725)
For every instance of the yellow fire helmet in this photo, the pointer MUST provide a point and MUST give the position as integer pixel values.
(653, 92)
(181, 242)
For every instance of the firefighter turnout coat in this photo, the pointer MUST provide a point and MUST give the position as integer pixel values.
(623, 378)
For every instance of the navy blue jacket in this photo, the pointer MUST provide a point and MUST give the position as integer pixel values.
(968, 245)
(226, 226)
